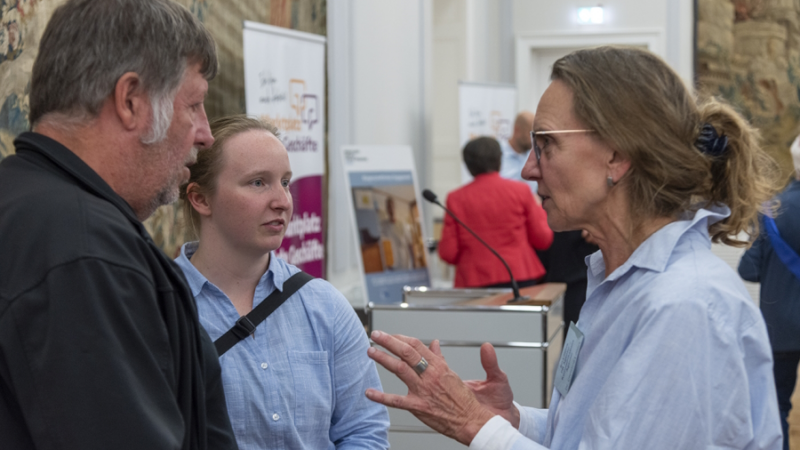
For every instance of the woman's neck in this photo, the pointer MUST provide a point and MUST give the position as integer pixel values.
(236, 273)
(621, 240)
(618, 235)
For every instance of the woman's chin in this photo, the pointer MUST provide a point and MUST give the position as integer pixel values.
(558, 225)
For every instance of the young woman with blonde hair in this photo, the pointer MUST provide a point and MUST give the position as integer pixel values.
(298, 381)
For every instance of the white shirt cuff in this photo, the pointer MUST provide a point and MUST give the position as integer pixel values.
(496, 434)
(525, 422)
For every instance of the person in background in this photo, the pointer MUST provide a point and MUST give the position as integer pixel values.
(503, 213)
(780, 289)
(100, 346)
(298, 382)
(517, 148)
(417, 242)
(670, 351)
(565, 262)
(398, 234)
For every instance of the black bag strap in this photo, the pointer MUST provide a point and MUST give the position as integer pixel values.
(247, 324)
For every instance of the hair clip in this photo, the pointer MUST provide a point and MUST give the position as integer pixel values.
(709, 142)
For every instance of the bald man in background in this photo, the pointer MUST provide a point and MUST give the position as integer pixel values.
(517, 148)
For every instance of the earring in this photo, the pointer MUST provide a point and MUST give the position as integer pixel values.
(610, 181)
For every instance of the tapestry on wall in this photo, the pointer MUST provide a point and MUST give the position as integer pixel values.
(748, 52)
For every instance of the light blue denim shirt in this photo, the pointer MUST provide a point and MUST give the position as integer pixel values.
(511, 164)
(299, 384)
(675, 356)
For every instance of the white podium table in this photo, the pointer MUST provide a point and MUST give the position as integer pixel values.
(526, 335)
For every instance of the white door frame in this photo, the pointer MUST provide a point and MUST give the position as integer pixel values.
(529, 43)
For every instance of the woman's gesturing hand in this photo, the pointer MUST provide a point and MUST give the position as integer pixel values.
(494, 393)
(436, 395)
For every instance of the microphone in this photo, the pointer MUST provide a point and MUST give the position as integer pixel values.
(428, 195)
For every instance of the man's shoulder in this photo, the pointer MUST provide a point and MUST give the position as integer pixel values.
(791, 195)
(46, 221)
(790, 202)
(49, 204)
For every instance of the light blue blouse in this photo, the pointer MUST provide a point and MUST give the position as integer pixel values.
(300, 382)
(675, 356)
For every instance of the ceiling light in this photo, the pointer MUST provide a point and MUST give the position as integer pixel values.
(590, 15)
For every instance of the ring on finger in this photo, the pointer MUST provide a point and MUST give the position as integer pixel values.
(421, 366)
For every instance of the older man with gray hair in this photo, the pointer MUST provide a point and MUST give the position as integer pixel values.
(100, 346)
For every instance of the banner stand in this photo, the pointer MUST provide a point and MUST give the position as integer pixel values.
(284, 84)
(387, 220)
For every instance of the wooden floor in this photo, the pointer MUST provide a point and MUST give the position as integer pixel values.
(794, 417)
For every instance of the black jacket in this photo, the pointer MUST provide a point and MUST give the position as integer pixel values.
(100, 345)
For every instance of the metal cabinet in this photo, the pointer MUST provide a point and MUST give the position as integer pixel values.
(527, 337)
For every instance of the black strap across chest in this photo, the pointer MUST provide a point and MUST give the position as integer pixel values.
(247, 324)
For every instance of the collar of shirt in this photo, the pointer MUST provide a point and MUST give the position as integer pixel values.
(70, 163)
(277, 273)
(654, 253)
(487, 176)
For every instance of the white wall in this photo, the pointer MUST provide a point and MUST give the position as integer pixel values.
(543, 27)
(472, 41)
(450, 62)
(378, 85)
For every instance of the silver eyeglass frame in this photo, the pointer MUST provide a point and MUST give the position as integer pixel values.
(538, 151)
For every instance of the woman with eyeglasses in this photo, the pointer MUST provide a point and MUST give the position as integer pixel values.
(670, 352)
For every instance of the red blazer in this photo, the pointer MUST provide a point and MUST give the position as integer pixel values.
(503, 213)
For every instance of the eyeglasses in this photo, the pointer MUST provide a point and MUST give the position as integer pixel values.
(538, 150)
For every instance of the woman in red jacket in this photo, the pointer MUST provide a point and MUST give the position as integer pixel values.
(503, 213)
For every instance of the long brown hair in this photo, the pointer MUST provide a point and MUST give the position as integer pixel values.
(641, 108)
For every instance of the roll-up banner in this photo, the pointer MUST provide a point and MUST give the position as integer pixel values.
(387, 218)
(284, 84)
(485, 109)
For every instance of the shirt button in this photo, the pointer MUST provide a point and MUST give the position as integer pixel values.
(275, 417)
(264, 365)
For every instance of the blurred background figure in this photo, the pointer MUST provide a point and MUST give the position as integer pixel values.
(565, 262)
(517, 148)
(774, 262)
(398, 235)
(502, 212)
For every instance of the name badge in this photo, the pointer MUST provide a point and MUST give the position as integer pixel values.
(569, 359)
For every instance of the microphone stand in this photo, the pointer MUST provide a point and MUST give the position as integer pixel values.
(431, 197)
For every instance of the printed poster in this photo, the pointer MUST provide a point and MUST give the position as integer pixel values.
(284, 74)
(485, 109)
(387, 220)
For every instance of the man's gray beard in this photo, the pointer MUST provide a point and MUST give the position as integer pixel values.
(171, 191)
(169, 194)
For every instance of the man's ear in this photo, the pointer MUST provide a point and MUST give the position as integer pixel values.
(618, 166)
(198, 200)
(131, 103)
